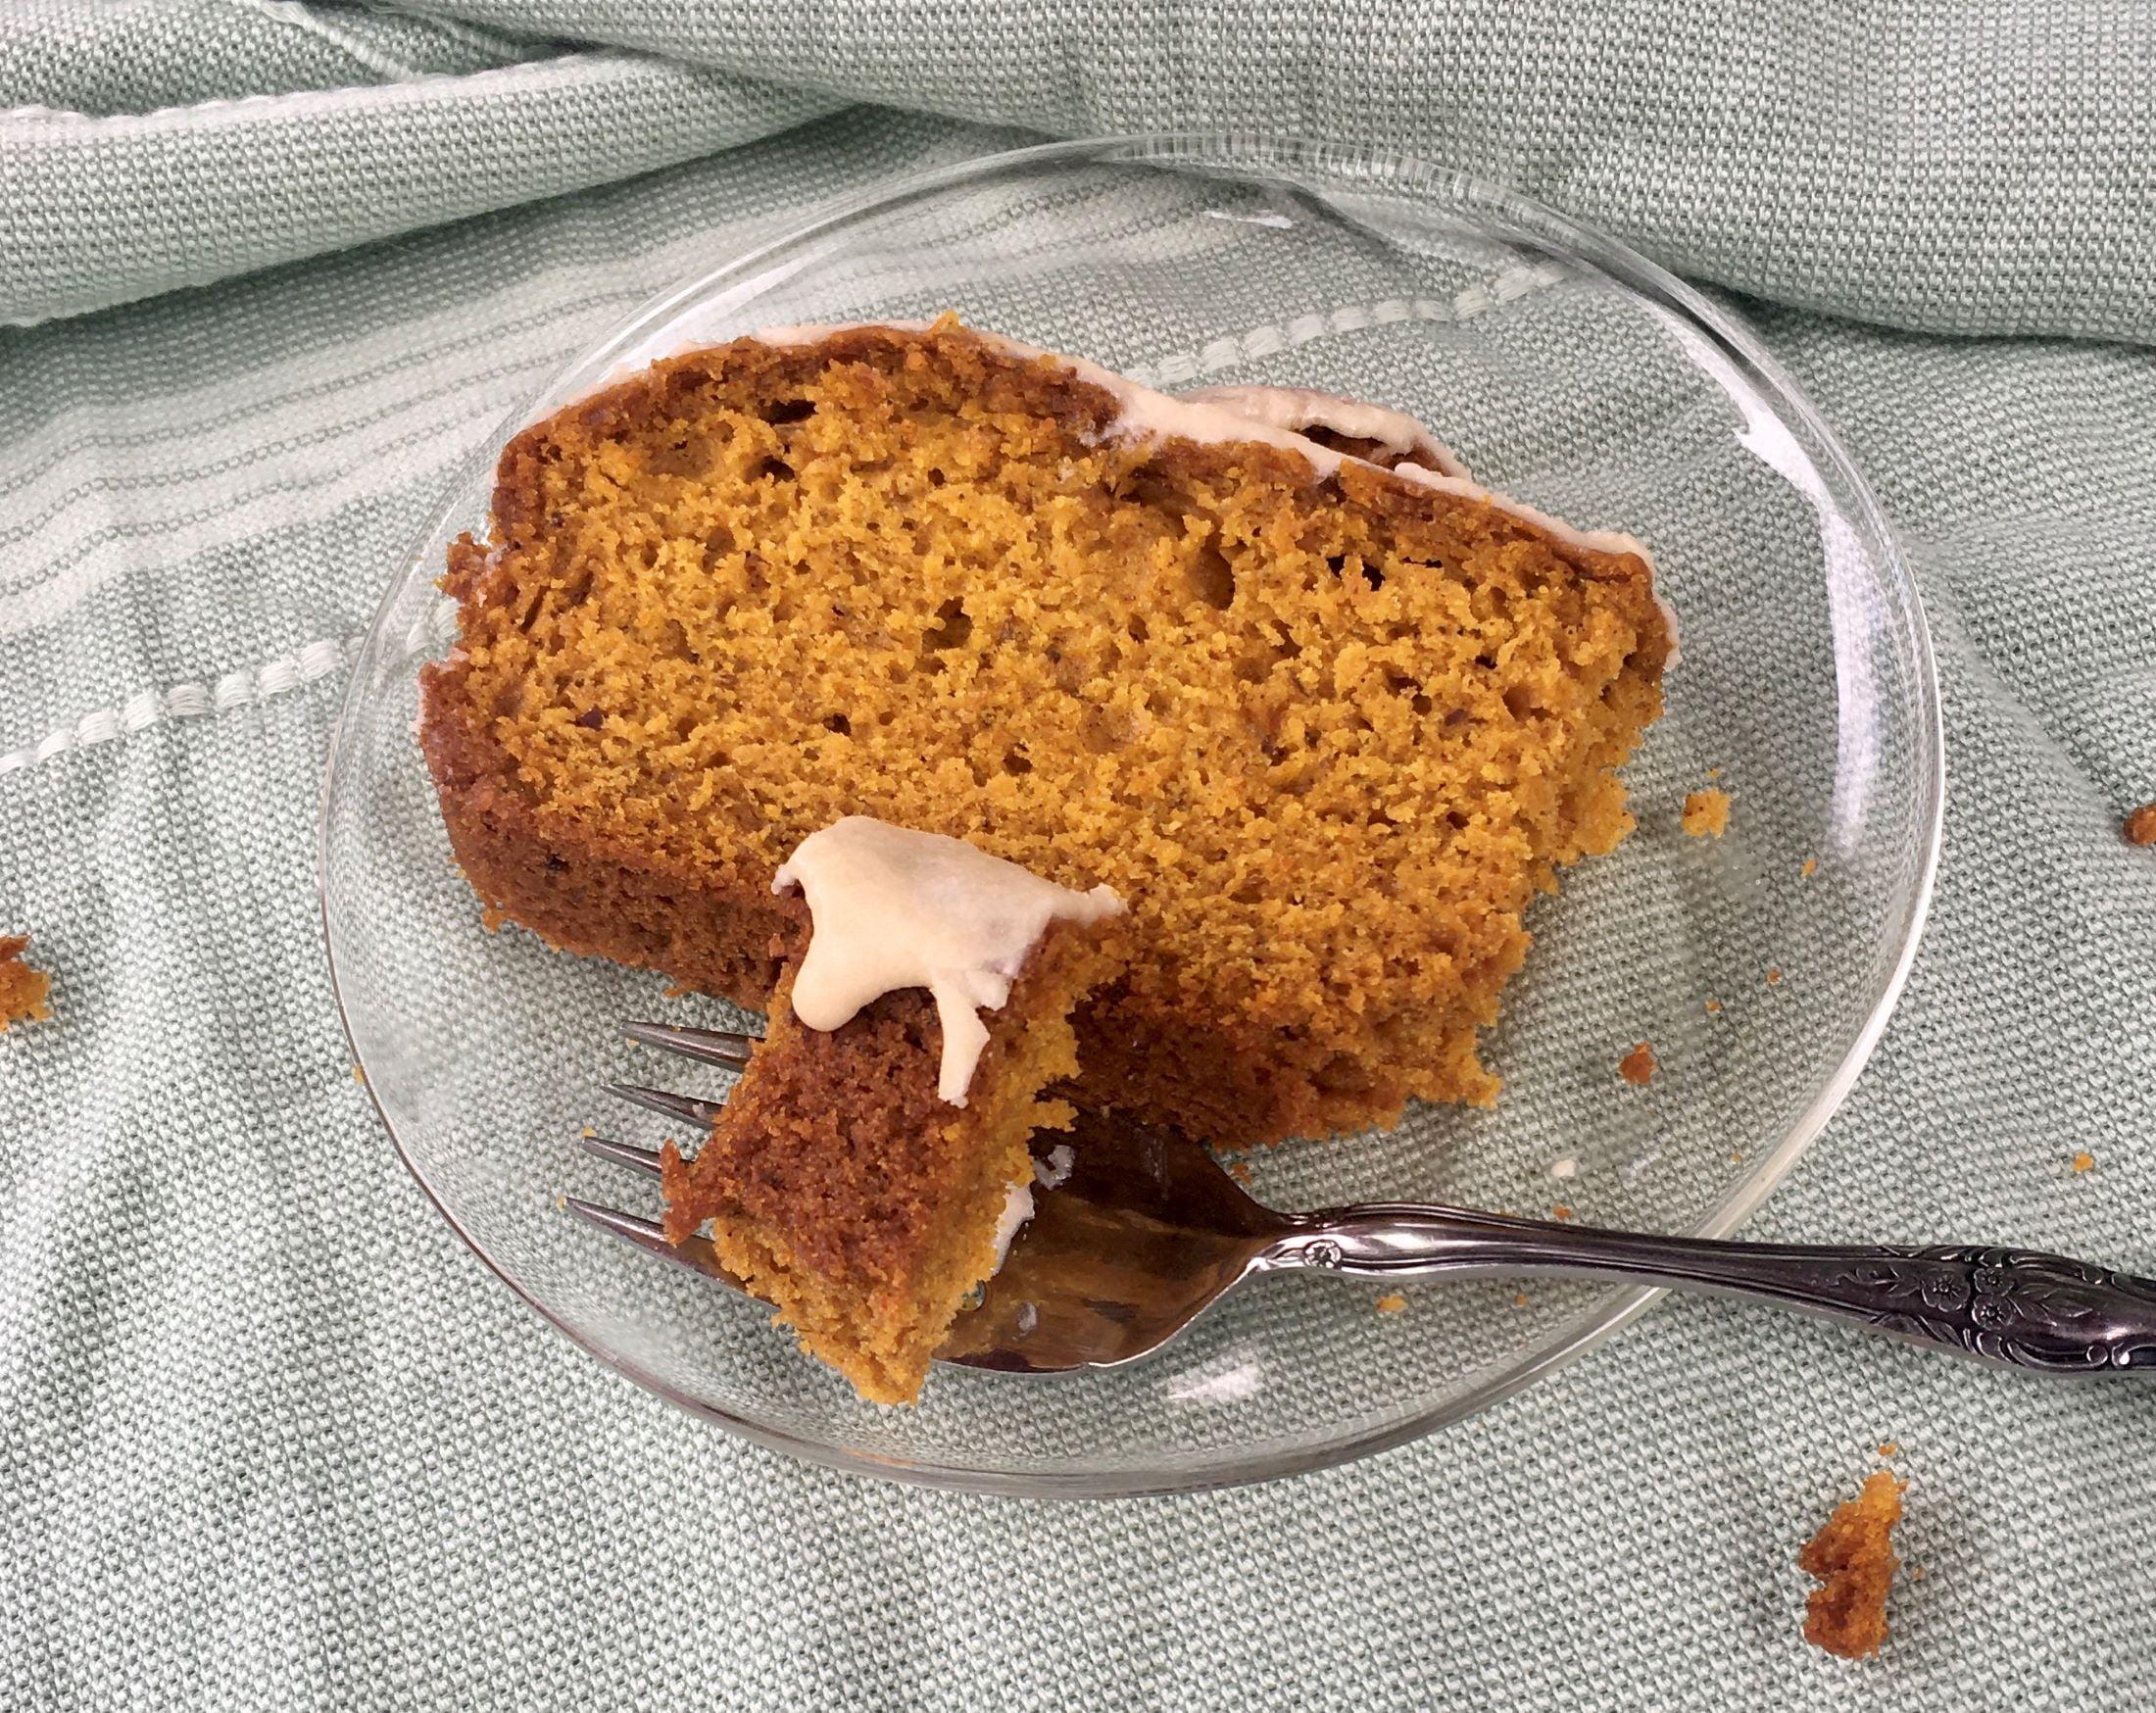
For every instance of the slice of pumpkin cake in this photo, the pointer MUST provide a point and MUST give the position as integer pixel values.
(1326, 712)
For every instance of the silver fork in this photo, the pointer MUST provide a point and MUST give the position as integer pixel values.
(1148, 1231)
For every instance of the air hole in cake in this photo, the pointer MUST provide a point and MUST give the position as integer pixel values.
(953, 624)
(719, 542)
(936, 478)
(1016, 765)
(1212, 578)
(591, 720)
(1371, 574)
(1103, 733)
(674, 640)
(1422, 704)
(691, 457)
(555, 864)
(777, 468)
(1458, 820)
(838, 722)
(790, 410)
(1488, 663)
(1136, 629)
(1455, 717)
(1520, 703)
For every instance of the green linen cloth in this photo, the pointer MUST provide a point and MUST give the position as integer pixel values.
(268, 1436)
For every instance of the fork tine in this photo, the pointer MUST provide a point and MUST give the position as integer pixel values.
(695, 1253)
(686, 1107)
(711, 1046)
(624, 1154)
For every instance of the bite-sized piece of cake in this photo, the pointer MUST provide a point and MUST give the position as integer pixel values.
(23, 989)
(1853, 1556)
(1330, 726)
(873, 1162)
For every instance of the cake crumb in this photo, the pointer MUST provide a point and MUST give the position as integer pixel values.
(1638, 1068)
(1707, 813)
(1519, 1299)
(1560, 1211)
(1714, 1007)
(1391, 1302)
(1737, 1156)
(359, 1075)
(1566, 1168)
(23, 989)
(2140, 826)
(1853, 1557)
(1916, 1573)
(1774, 977)
(1240, 1171)
(1713, 774)
(1890, 1448)
(1810, 869)
(587, 1132)
(2084, 1161)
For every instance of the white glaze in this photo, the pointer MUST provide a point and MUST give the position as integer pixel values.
(1017, 1209)
(892, 907)
(1297, 409)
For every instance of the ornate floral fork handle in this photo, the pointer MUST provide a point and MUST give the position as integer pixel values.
(2019, 1307)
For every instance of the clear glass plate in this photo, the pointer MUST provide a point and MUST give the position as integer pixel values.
(1564, 370)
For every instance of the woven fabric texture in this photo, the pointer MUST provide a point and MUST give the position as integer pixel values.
(270, 1436)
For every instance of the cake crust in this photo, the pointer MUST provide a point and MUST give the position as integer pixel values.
(1330, 732)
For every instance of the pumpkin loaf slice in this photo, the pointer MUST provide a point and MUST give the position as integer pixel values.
(1326, 712)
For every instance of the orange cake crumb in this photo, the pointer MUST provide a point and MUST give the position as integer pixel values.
(2140, 826)
(1560, 1211)
(1240, 1171)
(1810, 869)
(1774, 977)
(1890, 1448)
(1390, 1303)
(1331, 730)
(1519, 1299)
(23, 989)
(1638, 1068)
(1853, 1556)
(2084, 1161)
(1714, 1007)
(1707, 814)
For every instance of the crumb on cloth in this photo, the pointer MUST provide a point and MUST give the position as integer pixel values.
(1391, 1302)
(1638, 1068)
(1707, 813)
(2139, 826)
(23, 989)
(2084, 1161)
(1853, 1558)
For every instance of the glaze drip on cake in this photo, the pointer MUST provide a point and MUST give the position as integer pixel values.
(896, 908)
(1222, 415)
(1299, 410)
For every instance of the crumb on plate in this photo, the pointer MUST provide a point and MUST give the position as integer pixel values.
(1707, 813)
(1391, 1302)
(1638, 1068)
(23, 989)
(2139, 826)
(1853, 1557)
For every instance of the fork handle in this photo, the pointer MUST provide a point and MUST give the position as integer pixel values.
(2019, 1308)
